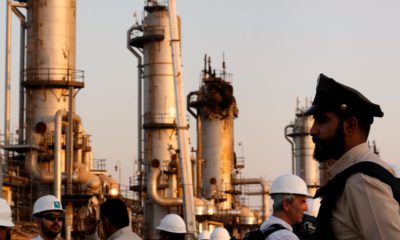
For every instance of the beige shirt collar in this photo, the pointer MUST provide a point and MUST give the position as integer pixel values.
(352, 156)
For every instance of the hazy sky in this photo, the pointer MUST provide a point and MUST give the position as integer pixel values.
(274, 49)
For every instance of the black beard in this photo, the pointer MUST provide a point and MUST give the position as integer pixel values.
(332, 148)
(49, 233)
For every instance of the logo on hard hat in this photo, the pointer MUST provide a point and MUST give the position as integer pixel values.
(57, 205)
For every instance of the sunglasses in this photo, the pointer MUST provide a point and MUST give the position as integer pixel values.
(53, 217)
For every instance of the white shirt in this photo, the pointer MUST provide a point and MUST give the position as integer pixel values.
(122, 234)
(38, 237)
(282, 234)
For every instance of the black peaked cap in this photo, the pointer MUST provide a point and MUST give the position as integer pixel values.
(333, 96)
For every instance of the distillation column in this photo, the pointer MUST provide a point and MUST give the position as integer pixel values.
(57, 149)
(304, 164)
(53, 154)
(51, 77)
(50, 82)
(159, 117)
(51, 140)
(216, 111)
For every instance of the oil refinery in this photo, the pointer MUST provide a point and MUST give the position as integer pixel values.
(51, 151)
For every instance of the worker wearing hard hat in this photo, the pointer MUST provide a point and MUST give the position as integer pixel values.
(204, 235)
(5, 220)
(220, 233)
(49, 216)
(114, 220)
(172, 227)
(289, 193)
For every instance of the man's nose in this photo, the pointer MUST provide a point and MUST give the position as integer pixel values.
(313, 129)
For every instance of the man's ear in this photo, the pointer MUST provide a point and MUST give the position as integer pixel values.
(37, 220)
(350, 125)
(285, 204)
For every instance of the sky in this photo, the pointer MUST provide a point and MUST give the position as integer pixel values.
(274, 49)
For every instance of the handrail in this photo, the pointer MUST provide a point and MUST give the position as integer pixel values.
(54, 74)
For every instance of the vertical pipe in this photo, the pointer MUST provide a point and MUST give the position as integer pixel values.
(21, 88)
(183, 138)
(57, 152)
(265, 206)
(69, 220)
(194, 175)
(199, 164)
(70, 164)
(199, 157)
(139, 110)
(7, 90)
(118, 165)
(139, 128)
(70, 142)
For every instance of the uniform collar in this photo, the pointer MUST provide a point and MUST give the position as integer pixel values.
(351, 157)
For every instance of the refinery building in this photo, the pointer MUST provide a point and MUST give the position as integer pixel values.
(50, 152)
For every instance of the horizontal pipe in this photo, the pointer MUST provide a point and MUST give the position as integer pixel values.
(253, 193)
(264, 191)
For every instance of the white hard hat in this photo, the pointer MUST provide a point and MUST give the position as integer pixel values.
(290, 184)
(172, 223)
(204, 235)
(47, 203)
(5, 214)
(220, 233)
